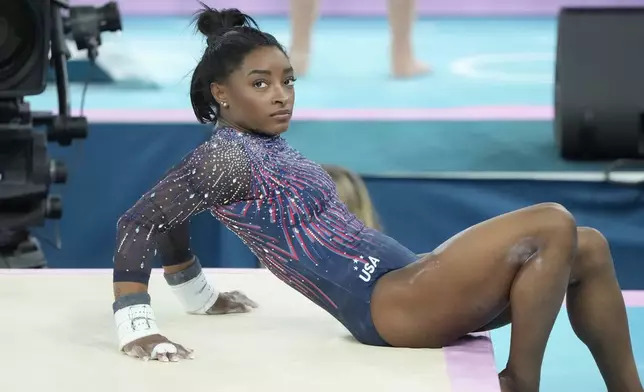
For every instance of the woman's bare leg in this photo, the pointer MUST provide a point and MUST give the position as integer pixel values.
(522, 259)
(597, 312)
(401, 21)
(304, 13)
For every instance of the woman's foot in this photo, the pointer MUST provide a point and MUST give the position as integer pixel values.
(510, 383)
(408, 67)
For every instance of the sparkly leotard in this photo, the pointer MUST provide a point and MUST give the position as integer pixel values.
(284, 208)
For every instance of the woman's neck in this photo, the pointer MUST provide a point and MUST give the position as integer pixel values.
(223, 123)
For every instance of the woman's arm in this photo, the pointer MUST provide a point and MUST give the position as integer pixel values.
(216, 173)
(174, 246)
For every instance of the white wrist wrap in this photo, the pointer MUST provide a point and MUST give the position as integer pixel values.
(135, 322)
(196, 295)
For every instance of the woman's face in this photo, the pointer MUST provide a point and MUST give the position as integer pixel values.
(259, 94)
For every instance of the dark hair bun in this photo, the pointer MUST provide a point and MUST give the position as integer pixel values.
(214, 23)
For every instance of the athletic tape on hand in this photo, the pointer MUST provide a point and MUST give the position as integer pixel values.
(162, 349)
(135, 322)
(196, 295)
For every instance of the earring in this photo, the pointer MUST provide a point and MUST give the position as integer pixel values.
(224, 104)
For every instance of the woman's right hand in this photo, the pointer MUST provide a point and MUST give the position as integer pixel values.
(157, 347)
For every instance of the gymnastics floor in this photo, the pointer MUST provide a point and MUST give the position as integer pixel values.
(486, 108)
(62, 337)
(59, 334)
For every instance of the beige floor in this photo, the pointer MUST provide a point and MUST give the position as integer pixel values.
(58, 334)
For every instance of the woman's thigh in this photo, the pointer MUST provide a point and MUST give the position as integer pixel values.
(465, 283)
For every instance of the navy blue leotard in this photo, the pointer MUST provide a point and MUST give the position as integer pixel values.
(284, 207)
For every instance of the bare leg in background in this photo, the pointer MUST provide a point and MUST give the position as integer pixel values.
(402, 13)
(401, 21)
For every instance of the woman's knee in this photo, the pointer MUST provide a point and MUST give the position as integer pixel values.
(556, 219)
(593, 252)
(592, 240)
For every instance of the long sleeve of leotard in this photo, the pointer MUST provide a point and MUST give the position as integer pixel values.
(174, 246)
(215, 174)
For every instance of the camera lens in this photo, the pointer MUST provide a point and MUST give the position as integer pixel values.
(19, 43)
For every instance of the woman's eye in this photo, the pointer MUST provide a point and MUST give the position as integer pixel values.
(260, 84)
(290, 81)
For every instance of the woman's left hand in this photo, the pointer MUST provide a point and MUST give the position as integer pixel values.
(232, 302)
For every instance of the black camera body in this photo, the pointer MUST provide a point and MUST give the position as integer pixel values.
(36, 33)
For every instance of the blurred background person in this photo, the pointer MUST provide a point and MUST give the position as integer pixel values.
(401, 13)
(353, 192)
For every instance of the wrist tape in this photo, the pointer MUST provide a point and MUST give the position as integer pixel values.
(192, 289)
(134, 318)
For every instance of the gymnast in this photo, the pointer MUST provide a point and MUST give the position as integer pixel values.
(515, 268)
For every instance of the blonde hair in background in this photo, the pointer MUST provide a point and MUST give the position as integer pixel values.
(354, 194)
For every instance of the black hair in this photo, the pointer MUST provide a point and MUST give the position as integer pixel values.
(230, 35)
